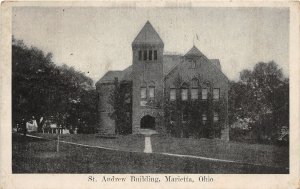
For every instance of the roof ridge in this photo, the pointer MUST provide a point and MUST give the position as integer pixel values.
(147, 35)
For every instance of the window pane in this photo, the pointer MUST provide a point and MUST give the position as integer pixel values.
(216, 94)
(155, 55)
(145, 55)
(173, 94)
(151, 92)
(216, 117)
(204, 119)
(150, 55)
(184, 94)
(194, 93)
(143, 92)
(204, 94)
(140, 55)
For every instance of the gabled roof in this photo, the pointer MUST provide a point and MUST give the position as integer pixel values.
(170, 61)
(194, 52)
(216, 62)
(147, 35)
(110, 76)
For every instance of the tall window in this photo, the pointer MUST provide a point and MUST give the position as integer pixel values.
(151, 91)
(216, 94)
(194, 93)
(145, 54)
(216, 117)
(194, 90)
(140, 55)
(204, 119)
(155, 54)
(193, 64)
(150, 54)
(172, 94)
(184, 92)
(204, 93)
(143, 92)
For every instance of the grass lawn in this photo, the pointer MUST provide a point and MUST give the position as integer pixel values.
(39, 156)
(134, 143)
(33, 155)
(269, 155)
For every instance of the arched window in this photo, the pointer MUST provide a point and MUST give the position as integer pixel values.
(184, 92)
(204, 92)
(151, 89)
(194, 89)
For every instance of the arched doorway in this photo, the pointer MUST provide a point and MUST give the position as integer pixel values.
(148, 122)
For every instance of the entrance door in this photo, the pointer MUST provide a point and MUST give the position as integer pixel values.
(148, 122)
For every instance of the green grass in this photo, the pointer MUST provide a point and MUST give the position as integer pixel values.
(32, 155)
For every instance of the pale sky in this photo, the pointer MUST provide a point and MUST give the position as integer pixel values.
(95, 40)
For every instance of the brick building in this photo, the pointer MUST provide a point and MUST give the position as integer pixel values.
(158, 79)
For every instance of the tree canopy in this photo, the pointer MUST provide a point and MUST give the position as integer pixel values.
(42, 89)
(262, 97)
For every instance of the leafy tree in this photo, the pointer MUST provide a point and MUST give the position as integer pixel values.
(41, 89)
(121, 101)
(262, 95)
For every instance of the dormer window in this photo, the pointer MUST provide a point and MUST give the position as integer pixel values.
(155, 54)
(150, 55)
(193, 64)
(145, 55)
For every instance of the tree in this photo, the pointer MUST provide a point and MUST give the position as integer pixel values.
(262, 95)
(121, 101)
(41, 89)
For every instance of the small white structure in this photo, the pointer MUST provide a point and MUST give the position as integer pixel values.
(65, 131)
(31, 126)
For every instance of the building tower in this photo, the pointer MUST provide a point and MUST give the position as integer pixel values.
(147, 76)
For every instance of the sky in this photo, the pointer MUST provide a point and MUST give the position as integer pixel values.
(96, 39)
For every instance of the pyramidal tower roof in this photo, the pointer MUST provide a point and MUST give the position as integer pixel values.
(194, 52)
(147, 35)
